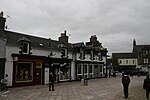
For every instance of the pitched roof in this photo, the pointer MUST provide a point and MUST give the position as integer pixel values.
(36, 42)
(141, 47)
(124, 55)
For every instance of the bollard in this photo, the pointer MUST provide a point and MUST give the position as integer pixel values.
(82, 81)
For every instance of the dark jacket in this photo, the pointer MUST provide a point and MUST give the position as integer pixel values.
(51, 78)
(125, 80)
(146, 84)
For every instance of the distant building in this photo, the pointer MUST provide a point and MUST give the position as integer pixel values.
(139, 59)
(124, 61)
(143, 56)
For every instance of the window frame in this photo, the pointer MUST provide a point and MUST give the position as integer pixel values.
(23, 72)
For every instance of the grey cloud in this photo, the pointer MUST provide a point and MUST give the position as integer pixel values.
(115, 22)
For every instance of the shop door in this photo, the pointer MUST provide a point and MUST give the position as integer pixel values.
(38, 75)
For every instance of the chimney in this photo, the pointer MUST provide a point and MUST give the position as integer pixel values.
(93, 39)
(134, 43)
(2, 21)
(63, 38)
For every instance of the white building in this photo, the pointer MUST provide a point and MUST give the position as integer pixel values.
(28, 59)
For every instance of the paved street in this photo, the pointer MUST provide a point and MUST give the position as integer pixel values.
(97, 89)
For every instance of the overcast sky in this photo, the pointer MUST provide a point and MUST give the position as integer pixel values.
(115, 22)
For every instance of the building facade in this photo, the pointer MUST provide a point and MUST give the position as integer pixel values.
(143, 56)
(28, 60)
(124, 61)
(138, 59)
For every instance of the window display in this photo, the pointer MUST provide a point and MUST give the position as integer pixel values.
(24, 72)
(64, 73)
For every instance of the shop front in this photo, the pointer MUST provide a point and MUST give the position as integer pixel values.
(28, 70)
(89, 70)
(61, 68)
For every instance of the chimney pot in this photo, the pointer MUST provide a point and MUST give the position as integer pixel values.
(1, 14)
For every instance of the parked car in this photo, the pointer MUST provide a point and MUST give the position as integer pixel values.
(143, 73)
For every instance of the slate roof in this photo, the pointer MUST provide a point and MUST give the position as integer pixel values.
(36, 42)
(141, 47)
(96, 44)
(124, 55)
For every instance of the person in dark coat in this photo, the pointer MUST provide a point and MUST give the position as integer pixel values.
(125, 82)
(146, 86)
(51, 82)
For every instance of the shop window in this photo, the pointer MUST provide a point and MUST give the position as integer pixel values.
(95, 70)
(85, 68)
(79, 68)
(90, 68)
(101, 68)
(24, 72)
(64, 73)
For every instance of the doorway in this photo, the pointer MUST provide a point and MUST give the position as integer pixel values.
(38, 73)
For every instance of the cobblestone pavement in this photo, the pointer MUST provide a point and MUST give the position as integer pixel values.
(97, 89)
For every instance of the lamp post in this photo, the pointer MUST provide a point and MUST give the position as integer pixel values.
(51, 68)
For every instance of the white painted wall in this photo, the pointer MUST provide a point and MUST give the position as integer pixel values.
(57, 54)
(73, 67)
(130, 61)
(14, 49)
(9, 71)
(9, 62)
(46, 76)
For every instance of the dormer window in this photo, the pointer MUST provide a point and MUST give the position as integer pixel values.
(25, 48)
(25, 45)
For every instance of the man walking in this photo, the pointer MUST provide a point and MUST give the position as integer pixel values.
(146, 86)
(125, 82)
(51, 82)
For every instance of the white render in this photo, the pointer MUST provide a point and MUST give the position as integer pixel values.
(130, 61)
(46, 76)
(9, 61)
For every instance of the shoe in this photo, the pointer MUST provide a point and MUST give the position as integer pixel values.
(126, 96)
(53, 90)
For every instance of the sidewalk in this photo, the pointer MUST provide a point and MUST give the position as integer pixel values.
(135, 93)
(97, 89)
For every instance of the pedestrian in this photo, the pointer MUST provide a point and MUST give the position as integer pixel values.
(146, 86)
(51, 82)
(125, 82)
(5, 82)
(109, 73)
